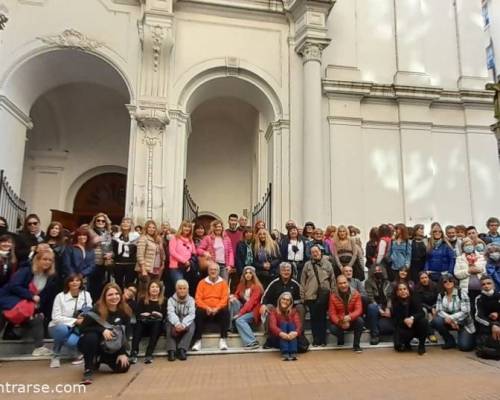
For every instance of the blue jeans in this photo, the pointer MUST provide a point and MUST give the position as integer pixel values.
(465, 339)
(60, 334)
(244, 329)
(288, 346)
(375, 323)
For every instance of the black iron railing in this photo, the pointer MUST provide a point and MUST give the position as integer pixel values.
(12, 207)
(262, 210)
(189, 207)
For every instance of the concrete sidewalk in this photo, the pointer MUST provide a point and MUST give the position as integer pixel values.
(375, 374)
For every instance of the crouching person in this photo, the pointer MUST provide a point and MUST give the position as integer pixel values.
(345, 313)
(212, 297)
(488, 319)
(103, 339)
(285, 327)
(181, 311)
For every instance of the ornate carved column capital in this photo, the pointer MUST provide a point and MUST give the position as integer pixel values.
(152, 118)
(311, 52)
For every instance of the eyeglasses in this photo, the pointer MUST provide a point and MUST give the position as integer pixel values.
(100, 220)
(32, 223)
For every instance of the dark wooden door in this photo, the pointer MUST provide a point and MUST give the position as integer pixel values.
(102, 193)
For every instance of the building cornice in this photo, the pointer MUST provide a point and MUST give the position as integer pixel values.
(15, 111)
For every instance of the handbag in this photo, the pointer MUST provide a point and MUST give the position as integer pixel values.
(119, 338)
(323, 295)
(23, 310)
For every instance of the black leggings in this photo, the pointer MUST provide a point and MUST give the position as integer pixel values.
(141, 327)
(124, 274)
(403, 335)
(90, 346)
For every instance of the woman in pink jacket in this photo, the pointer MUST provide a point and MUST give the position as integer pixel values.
(181, 248)
(217, 246)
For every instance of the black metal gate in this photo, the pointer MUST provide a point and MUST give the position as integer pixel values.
(262, 210)
(12, 207)
(189, 207)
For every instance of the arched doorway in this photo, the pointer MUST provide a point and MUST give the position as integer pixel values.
(102, 193)
(79, 122)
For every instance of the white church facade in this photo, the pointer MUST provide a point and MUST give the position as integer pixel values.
(355, 111)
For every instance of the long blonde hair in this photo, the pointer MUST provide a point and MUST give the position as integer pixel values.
(269, 245)
(287, 310)
(156, 236)
(431, 242)
(181, 226)
(213, 224)
(41, 251)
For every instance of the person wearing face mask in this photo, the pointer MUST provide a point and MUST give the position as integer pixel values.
(472, 234)
(378, 313)
(488, 319)
(468, 269)
(492, 256)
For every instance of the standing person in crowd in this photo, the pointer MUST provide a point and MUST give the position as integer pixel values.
(100, 230)
(400, 253)
(492, 256)
(67, 317)
(198, 234)
(56, 240)
(79, 258)
(266, 257)
(181, 312)
(469, 267)
(111, 315)
(345, 313)
(455, 241)
(453, 314)
(317, 240)
(125, 253)
(371, 248)
(212, 297)
(355, 284)
(461, 231)
(440, 254)
(242, 223)
(418, 252)
(409, 320)
(259, 224)
(285, 327)
(472, 234)
(150, 256)
(32, 233)
(182, 251)
(244, 306)
(309, 228)
(292, 250)
(384, 249)
(8, 260)
(235, 235)
(244, 251)
(150, 313)
(492, 236)
(217, 246)
(487, 317)
(378, 313)
(330, 233)
(427, 292)
(346, 250)
(36, 287)
(317, 281)
(403, 276)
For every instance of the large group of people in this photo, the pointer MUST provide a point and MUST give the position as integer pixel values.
(94, 289)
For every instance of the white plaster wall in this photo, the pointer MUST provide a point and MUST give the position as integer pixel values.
(220, 152)
(13, 138)
(92, 129)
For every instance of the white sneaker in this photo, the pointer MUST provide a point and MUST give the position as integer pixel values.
(41, 352)
(222, 344)
(55, 362)
(196, 346)
(78, 360)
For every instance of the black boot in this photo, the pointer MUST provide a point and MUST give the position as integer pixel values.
(171, 355)
(181, 355)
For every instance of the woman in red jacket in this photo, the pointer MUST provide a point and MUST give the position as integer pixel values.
(218, 247)
(244, 306)
(285, 326)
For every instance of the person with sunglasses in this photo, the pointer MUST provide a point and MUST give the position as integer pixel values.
(453, 314)
(100, 229)
(440, 254)
(488, 319)
(32, 233)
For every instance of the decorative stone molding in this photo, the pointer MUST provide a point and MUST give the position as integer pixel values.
(16, 112)
(311, 52)
(3, 21)
(72, 38)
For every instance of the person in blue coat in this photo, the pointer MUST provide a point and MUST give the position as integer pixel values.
(492, 256)
(80, 257)
(440, 254)
(36, 284)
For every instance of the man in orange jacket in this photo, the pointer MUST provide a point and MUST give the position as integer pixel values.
(212, 297)
(345, 312)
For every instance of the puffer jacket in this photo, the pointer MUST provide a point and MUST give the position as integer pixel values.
(207, 244)
(336, 309)
(181, 311)
(440, 259)
(146, 251)
(462, 269)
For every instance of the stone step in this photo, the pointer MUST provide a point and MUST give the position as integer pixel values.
(20, 350)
